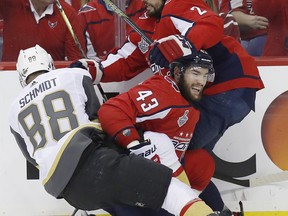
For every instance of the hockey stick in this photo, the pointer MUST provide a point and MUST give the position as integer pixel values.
(258, 181)
(69, 26)
(76, 210)
(127, 19)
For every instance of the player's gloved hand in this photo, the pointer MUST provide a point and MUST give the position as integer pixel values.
(165, 149)
(144, 149)
(167, 154)
(168, 49)
(95, 68)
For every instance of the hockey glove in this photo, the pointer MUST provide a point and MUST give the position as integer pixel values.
(166, 152)
(144, 149)
(95, 68)
(168, 49)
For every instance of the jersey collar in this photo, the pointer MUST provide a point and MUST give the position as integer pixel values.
(48, 11)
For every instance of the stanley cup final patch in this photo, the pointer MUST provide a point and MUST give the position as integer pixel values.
(143, 46)
(183, 119)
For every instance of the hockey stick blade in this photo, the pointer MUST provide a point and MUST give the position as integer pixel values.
(258, 181)
(127, 19)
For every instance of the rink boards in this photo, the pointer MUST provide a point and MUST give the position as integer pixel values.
(258, 145)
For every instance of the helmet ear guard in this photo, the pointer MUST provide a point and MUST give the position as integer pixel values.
(32, 60)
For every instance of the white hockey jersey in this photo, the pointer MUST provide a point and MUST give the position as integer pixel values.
(43, 116)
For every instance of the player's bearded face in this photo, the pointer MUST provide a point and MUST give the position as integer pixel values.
(192, 83)
(154, 7)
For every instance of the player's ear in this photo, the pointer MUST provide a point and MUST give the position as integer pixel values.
(176, 73)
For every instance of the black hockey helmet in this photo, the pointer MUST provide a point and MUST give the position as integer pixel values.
(198, 59)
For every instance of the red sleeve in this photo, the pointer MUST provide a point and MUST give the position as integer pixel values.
(71, 49)
(193, 19)
(204, 39)
(118, 119)
(239, 5)
(231, 27)
(129, 60)
(224, 6)
(123, 64)
(269, 9)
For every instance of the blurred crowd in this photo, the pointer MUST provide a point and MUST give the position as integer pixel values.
(260, 28)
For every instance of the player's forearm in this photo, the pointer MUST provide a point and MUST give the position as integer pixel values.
(123, 64)
(117, 123)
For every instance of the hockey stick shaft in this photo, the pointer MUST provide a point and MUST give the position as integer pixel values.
(69, 26)
(127, 19)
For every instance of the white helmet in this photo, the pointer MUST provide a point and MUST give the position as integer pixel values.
(32, 60)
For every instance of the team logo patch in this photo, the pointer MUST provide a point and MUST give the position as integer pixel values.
(87, 8)
(183, 119)
(143, 46)
(52, 24)
(126, 132)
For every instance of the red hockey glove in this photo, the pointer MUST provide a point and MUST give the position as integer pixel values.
(144, 149)
(95, 68)
(168, 49)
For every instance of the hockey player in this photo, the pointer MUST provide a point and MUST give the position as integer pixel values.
(232, 95)
(146, 107)
(236, 75)
(227, 100)
(51, 120)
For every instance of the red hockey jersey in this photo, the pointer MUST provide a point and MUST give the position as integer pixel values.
(98, 20)
(155, 105)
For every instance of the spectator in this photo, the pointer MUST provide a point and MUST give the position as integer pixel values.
(39, 22)
(1, 37)
(253, 28)
(77, 4)
(231, 27)
(276, 11)
(99, 19)
(72, 155)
